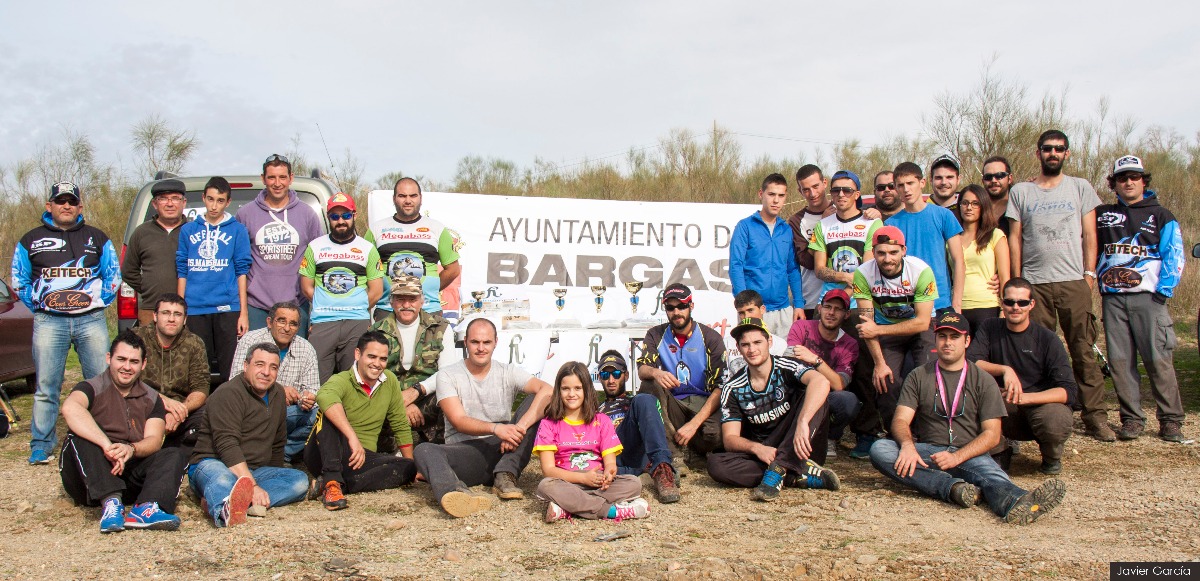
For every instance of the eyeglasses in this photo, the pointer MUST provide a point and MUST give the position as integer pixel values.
(172, 199)
(274, 157)
(1053, 148)
(286, 323)
(885, 187)
(1129, 177)
(1016, 303)
(987, 177)
(617, 373)
(676, 307)
(842, 191)
(969, 204)
(66, 201)
(334, 216)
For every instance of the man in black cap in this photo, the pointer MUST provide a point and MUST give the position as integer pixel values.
(149, 265)
(639, 424)
(944, 177)
(954, 410)
(682, 363)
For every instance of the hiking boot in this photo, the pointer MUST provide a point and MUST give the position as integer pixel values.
(1004, 458)
(555, 512)
(112, 520)
(233, 510)
(1037, 502)
(1051, 466)
(814, 476)
(665, 484)
(862, 446)
(40, 458)
(772, 483)
(636, 508)
(1131, 429)
(505, 486)
(462, 502)
(148, 516)
(332, 497)
(1097, 427)
(1171, 431)
(963, 494)
(314, 488)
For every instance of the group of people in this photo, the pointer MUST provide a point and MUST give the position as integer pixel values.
(327, 390)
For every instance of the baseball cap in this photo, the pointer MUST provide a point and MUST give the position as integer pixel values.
(747, 324)
(162, 187)
(836, 294)
(888, 235)
(64, 189)
(407, 286)
(847, 174)
(679, 292)
(1128, 163)
(946, 158)
(340, 199)
(952, 320)
(612, 360)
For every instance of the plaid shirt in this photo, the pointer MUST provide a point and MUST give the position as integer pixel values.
(298, 369)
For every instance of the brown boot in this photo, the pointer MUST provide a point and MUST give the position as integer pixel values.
(1097, 427)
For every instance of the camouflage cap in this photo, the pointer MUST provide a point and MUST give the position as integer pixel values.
(407, 286)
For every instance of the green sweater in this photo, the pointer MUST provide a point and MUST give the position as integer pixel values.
(367, 414)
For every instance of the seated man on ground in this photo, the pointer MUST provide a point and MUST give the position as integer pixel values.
(821, 344)
(298, 374)
(177, 367)
(943, 434)
(639, 424)
(355, 405)
(749, 305)
(773, 421)
(113, 449)
(486, 442)
(1037, 381)
(237, 466)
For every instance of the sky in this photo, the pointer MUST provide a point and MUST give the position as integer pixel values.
(415, 87)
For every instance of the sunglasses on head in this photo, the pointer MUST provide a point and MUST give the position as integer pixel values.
(1016, 303)
(987, 177)
(274, 157)
(885, 187)
(343, 216)
(617, 373)
(1053, 148)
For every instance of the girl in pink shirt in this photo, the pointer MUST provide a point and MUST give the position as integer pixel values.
(578, 447)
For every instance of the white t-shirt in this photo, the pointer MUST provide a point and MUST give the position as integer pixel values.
(490, 399)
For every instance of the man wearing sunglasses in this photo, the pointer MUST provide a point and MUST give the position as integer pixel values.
(149, 263)
(841, 242)
(997, 180)
(887, 201)
(948, 417)
(342, 276)
(762, 258)
(1034, 374)
(1141, 261)
(66, 272)
(1052, 244)
(639, 424)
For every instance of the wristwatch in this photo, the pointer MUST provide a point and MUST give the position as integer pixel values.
(819, 362)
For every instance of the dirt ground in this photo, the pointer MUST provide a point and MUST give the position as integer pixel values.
(1127, 501)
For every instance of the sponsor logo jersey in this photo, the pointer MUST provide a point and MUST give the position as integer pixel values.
(894, 299)
(65, 271)
(761, 411)
(341, 272)
(578, 446)
(846, 244)
(1141, 248)
(414, 249)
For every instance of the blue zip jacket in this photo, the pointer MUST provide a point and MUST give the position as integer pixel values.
(212, 258)
(1141, 247)
(765, 261)
(68, 271)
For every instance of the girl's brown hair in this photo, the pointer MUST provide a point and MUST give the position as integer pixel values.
(988, 220)
(555, 410)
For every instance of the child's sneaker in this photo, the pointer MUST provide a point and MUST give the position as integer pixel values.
(555, 512)
(772, 483)
(112, 520)
(148, 516)
(636, 508)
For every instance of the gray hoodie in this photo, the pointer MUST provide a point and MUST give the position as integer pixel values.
(278, 239)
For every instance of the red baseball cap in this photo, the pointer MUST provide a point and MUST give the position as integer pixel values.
(838, 294)
(340, 199)
(888, 235)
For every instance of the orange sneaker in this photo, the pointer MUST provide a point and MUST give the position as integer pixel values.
(333, 497)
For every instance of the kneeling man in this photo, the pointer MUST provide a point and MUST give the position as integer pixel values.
(956, 426)
(774, 421)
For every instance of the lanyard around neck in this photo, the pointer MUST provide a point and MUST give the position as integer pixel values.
(951, 409)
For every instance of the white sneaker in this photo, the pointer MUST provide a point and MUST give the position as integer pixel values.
(555, 512)
(636, 508)
(832, 451)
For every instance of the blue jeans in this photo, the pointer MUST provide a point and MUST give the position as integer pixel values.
(53, 336)
(299, 425)
(211, 479)
(999, 492)
(643, 437)
(843, 407)
(258, 318)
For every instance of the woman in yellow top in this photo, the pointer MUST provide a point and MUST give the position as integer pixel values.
(985, 253)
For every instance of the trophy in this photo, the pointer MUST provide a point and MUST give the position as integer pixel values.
(599, 292)
(633, 287)
(559, 300)
(478, 296)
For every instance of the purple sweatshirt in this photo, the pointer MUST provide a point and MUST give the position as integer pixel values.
(278, 239)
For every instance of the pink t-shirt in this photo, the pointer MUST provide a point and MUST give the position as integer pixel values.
(578, 447)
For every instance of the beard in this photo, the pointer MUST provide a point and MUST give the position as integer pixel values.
(681, 326)
(1052, 168)
(342, 233)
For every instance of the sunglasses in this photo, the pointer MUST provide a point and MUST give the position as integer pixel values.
(343, 216)
(885, 187)
(1053, 148)
(987, 177)
(1017, 303)
(274, 157)
(676, 307)
(1129, 177)
(842, 191)
(617, 373)
(66, 201)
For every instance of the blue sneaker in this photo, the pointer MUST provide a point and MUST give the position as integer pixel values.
(147, 515)
(40, 457)
(862, 446)
(814, 476)
(112, 520)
